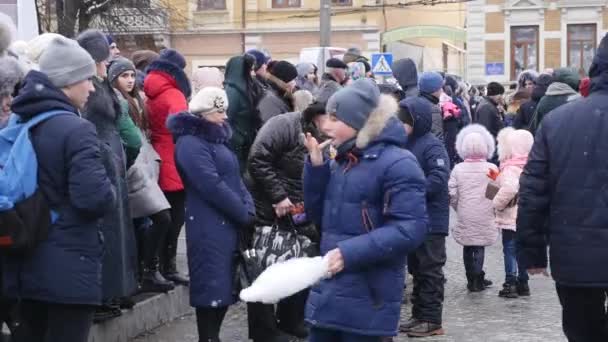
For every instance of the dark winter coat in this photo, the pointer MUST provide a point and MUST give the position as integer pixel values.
(406, 74)
(489, 116)
(437, 126)
(274, 103)
(120, 252)
(66, 267)
(243, 115)
(374, 211)
(167, 89)
(557, 94)
(276, 163)
(217, 207)
(433, 159)
(562, 196)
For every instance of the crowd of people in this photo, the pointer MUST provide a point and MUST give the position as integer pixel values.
(133, 149)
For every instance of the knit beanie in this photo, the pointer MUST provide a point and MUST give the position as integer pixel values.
(336, 63)
(118, 66)
(95, 43)
(38, 45)
(305, 69)
(11, 73)
(8, 32)
(66, 63)
(284, 71)
(356, 70)
(142, 58)
(354, 103)
(209, 100)
(173, 56)
(495, 88)
(207, 77)
(260, 58)
(430, 82)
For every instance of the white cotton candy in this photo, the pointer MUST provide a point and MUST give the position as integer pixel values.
(284, 279)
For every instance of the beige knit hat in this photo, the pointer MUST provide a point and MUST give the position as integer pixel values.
(209, 100)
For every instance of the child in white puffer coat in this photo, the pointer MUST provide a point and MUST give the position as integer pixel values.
(476, 227)
(513, 149)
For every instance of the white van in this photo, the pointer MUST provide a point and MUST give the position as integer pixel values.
(319, 55)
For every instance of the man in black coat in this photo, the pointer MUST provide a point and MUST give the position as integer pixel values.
(563, 206)
(487, 113)
(275, 166)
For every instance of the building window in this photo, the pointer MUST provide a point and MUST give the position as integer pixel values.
(207, 5)
(342, 2)
(524, 49)
(582, 40)
(285, 3)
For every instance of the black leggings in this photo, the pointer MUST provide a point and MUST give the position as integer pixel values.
(177, 199)
(209, 321)
(49, 322)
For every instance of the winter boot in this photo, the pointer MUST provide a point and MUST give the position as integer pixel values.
(477, 283)
(407, 326)
(299, 331)
(153, 281)
(171, 273)
(523, 289)
(277, 338)
(509, 290)
(425, 329)
(169, 260)
(470, 281)
(486, 282)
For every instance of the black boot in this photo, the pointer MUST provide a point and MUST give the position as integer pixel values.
(523, 289)
(407, 326)
(153, 281)
(509, 290)
(425, 329)
(170, 271)
(477, 283)
(486, 282)
(470, 281)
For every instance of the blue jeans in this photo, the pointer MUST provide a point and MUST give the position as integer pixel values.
(473, 257)
(514, 271)
(326, 335)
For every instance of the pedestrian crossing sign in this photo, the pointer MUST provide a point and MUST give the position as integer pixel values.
(382, 64)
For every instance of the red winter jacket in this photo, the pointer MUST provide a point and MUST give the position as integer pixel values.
(164, 98)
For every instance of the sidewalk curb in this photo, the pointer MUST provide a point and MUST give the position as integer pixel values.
(145, 316)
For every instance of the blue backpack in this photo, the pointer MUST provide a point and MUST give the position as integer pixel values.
(25, 216)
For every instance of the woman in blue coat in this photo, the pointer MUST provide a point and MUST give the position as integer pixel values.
(371, 206)
(217, 205)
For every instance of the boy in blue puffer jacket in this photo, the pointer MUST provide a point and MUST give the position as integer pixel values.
(370, 204)
(426, 263)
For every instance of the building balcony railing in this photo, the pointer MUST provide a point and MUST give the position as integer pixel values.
(131, 20)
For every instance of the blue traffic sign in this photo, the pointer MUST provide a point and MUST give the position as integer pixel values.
(382, 64)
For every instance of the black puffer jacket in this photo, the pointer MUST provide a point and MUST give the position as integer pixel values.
(276, 162)
(562, 196)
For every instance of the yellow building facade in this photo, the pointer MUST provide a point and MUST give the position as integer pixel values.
(505, 37)
(209, 32)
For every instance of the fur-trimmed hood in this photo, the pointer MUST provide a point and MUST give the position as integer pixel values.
(162, 74)
(514, 143)
(382, 126)
(187, 124)
(475, 142)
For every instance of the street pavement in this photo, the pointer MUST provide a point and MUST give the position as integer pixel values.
(470, 317)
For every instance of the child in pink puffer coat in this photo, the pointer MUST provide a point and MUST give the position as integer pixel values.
(476, 227)
(513, 149)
